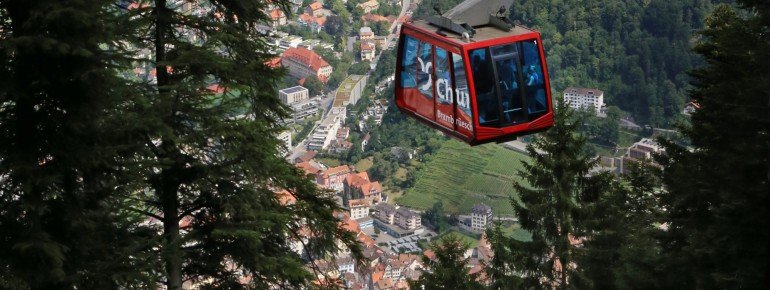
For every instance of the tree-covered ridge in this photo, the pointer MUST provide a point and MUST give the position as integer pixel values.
(638, 52)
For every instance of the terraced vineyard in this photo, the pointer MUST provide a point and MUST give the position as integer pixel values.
(461, 176)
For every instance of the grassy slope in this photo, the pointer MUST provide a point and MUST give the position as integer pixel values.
(461, 176)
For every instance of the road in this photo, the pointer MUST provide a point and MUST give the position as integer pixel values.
(404, 9)
(301, 147)
(494, 218)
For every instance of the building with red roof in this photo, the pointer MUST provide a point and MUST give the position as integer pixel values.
(315, 23)
(302, 62)
(367, 51)
(314, 9)
(274, 62)
(277, 17)
(358, 186)
(359, 208)
(334, 178)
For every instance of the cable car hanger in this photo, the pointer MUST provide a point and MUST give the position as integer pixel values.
(472, 13)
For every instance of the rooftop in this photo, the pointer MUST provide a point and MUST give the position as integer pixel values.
(583, 91)
(481, 209)
(406, 212)
(359, 202)
(305, 56)
(482, 32)
(277, 13)
(336, 170)
(385, 207)
(316, 5)
(293, 89)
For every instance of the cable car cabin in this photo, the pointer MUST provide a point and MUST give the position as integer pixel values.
(492, 87)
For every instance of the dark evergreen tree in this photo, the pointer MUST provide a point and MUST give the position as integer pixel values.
(552, 206)
(211, 163)
(63, 136)
(620, 247)
(716, 197)
(448, 270)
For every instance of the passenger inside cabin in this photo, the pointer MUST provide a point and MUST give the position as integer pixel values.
(483, 79)
(535, 90)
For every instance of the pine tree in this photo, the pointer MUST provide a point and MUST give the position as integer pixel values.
(551, 206)
(62, 140)
(212, 165)
(716, 197)
(620, 249)
(448, 270)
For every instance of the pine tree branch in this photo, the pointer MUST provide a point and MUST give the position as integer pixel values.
(144, 212)
(190, 211)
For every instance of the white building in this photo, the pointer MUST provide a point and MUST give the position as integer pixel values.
(289, 41)
(346, 265)
(584, 98)
(325, 133)
(481, 216)
(365, 33)
(293, 95)
(285, 137)
(359, 208)
(368, 50)
(304, 110)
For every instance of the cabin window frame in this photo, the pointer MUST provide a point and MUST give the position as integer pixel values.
(517, 55)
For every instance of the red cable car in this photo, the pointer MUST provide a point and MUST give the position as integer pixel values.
(473, 75)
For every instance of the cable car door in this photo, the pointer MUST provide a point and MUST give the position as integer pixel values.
(509, 84)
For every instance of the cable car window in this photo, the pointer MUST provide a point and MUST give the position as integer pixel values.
(503, 50)
(424, 83)
(416, 79)
(533, 76)
(484, 85)
(464, 113)
(408, 63)
(508, 80)
(444, 99)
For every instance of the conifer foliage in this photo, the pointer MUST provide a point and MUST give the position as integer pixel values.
(61, 142)
(112, 182)
(551, 206)
(717, 192)
(448, 269)
(211, 158)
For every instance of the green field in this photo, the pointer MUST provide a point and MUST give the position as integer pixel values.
(461, 176)
(329, 162)
(364, 164)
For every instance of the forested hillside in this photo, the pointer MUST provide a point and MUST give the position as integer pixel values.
(637, 52)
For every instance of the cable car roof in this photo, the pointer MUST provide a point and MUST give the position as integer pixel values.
(482, 32)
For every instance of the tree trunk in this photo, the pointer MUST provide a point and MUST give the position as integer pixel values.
(172, 251)
(167, 189)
